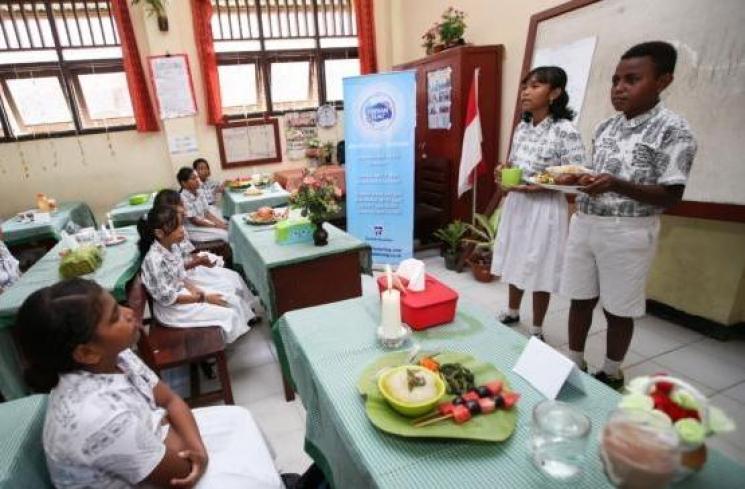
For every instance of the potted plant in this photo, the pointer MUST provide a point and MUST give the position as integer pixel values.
(317, 197)
(452, 27)
(157, 8)
(327, 152)
(429, 39)
(451, 236)
(483, 234)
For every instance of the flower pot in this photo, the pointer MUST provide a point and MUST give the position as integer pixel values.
(481, 270)
(437, 48)
(451, 259)
(320, 235)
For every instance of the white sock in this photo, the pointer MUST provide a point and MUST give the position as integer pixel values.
(513, 312)
(611, 367)
(536, 330)
(578, 357)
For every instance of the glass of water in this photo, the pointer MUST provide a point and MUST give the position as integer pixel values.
(559, 435)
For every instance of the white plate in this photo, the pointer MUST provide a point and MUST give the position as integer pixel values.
(567, 189)
(119, 239)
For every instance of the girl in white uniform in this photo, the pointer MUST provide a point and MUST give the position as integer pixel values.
(212, 188)
(202, 223)
(205, 269)
(529, 250)
(179, 300)
(110, 421)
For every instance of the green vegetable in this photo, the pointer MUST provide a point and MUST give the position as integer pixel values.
(719, 422)
(81, 261)
(691, 431)
(637, 401)
(414, 380)
(684, 399)
(458, 378)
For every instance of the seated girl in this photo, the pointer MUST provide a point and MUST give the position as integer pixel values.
(203, 268)
(9, 271)
(212, 188)
(179, 301)
(203, 224)
(110, 422)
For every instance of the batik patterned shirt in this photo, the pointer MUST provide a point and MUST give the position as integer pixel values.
(210, 190)
(9, 271)
(163, 273)
(104, 430)
(549, 143)
(654, 148)
(195, 205)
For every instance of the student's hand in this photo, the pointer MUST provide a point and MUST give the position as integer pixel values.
(198, 461)
(216, 299)
(528, 189)
(603, 183)
(193, 290)
(498, 174)
(204, 260)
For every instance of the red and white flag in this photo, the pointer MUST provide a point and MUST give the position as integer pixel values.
(471, 160)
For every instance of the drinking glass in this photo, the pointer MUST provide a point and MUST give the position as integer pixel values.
(559, 434)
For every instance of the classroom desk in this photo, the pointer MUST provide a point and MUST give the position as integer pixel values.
(289, 277)
(120, 264)
(22, 460)
(70, 216)
(125, 214)
(239, 203)
(329, 346)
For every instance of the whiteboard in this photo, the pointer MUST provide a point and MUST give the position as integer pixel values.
(709, 86)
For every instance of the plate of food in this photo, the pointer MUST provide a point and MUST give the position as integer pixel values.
(261, 216)
(438, 395)
(238, 184)
(253, 191)
(568, 179)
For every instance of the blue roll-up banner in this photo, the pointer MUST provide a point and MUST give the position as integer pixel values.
(379, 123)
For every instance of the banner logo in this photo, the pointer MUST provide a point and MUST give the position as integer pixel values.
(378, 111)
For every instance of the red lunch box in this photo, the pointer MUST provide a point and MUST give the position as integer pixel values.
(433, 306)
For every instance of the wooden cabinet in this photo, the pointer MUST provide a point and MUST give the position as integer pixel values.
(438, 148)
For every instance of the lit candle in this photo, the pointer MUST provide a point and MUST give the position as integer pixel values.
(390, 313)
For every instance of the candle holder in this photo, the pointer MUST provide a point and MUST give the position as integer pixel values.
(393, 342)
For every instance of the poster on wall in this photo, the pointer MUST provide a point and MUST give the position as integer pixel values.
(439, 98)
(379, 123)
(249, 142)
(174, 92)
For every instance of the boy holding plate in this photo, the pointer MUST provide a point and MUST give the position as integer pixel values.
(642, 157)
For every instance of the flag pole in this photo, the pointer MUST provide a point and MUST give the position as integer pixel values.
(473, 197)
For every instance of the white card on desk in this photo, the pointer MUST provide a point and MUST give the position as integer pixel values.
(546, 369)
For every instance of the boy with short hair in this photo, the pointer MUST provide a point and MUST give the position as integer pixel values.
(642, 157)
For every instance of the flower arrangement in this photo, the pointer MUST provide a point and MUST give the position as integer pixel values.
(317, 197)
(446, 33)
(678, 404)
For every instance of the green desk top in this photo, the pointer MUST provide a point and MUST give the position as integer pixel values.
(17, 233)
(239, 203)
(125, 214)
(329, 346)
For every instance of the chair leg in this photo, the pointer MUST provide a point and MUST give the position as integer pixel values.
(196, 389)
(222, 372)
(289, 391)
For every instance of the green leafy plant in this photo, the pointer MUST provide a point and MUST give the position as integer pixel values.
(453, 25)
(452, 235)
(483, 232)
(317, 197)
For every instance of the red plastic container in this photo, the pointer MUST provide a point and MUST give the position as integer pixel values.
(433, 306)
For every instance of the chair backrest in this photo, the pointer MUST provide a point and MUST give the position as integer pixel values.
(137, 298)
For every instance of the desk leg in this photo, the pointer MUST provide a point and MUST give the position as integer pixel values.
(289, 391)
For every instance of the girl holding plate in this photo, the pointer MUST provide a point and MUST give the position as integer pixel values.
(529, 250)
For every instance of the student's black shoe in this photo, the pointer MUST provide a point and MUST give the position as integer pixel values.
(505, 318)
(254, 321)
(615, 382)
(208, 369)
(290, 480)
(313, 478)
(540, 337)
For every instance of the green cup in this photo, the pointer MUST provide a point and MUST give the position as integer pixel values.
(511, 176)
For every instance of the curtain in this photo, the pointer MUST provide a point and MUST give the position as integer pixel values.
(366, 36)
(201, 11)
(142, 106)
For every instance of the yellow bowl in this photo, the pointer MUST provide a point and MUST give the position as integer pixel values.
(411, 409)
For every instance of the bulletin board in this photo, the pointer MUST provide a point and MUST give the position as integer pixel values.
(174, 92)
(249, 142)
(707, 90)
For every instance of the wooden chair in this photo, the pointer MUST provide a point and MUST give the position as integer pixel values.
(163, 347)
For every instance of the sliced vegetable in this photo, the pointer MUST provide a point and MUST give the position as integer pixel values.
(430, 364)
(690, 431)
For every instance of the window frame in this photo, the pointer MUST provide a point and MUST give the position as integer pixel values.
(66, 71)
(265, 57)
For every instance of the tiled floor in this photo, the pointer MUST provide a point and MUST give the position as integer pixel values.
(717, 368)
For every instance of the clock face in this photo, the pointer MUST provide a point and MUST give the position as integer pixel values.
(326, 116)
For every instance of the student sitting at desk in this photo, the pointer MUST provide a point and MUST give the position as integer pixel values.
(112, 423)
(642, 157)
(202, 223)
(211, 187)
(9, 271)
(179, 301)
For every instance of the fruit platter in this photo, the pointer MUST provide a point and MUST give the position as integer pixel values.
(265, 215)
(438, 395)
(238, 184)
(568, 179)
